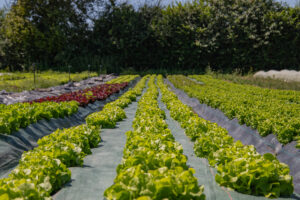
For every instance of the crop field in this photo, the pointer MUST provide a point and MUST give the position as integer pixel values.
(145, 138)
(150, 100)
(18, 81)
(261, 81)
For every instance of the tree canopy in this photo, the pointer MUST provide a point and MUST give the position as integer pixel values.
(222, 34)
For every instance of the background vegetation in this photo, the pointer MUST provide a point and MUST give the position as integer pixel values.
(222, 34)
(19, 81)
(263, 82)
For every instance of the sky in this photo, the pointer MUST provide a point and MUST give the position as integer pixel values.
(289, 2)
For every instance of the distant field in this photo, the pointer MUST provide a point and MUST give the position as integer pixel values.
(17, 82)
(266, 82)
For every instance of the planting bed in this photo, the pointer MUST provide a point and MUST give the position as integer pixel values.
(25, 96)
(86, 96)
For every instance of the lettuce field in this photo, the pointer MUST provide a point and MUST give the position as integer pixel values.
(153, 138)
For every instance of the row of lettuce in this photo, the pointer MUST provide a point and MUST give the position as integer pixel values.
(122, 79)
(267, 110)
(239, 166)
(153, 164)
(20, 115)
(44, 170)
(86, 96)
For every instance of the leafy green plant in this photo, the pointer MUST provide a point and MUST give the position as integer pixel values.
(20, 115)
(21, 188)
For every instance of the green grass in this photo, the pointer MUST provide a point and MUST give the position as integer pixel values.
(260, 82)
(18, 81)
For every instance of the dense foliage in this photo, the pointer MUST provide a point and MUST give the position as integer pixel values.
(153, 164)
(46, 32)
(239, 166)
(268, 111)
(2, 37)
(224, 34)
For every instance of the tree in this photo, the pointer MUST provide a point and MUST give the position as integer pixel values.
(123, 37)
(183, 34)
(2, 38)
(48, 32)
(224, 34)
